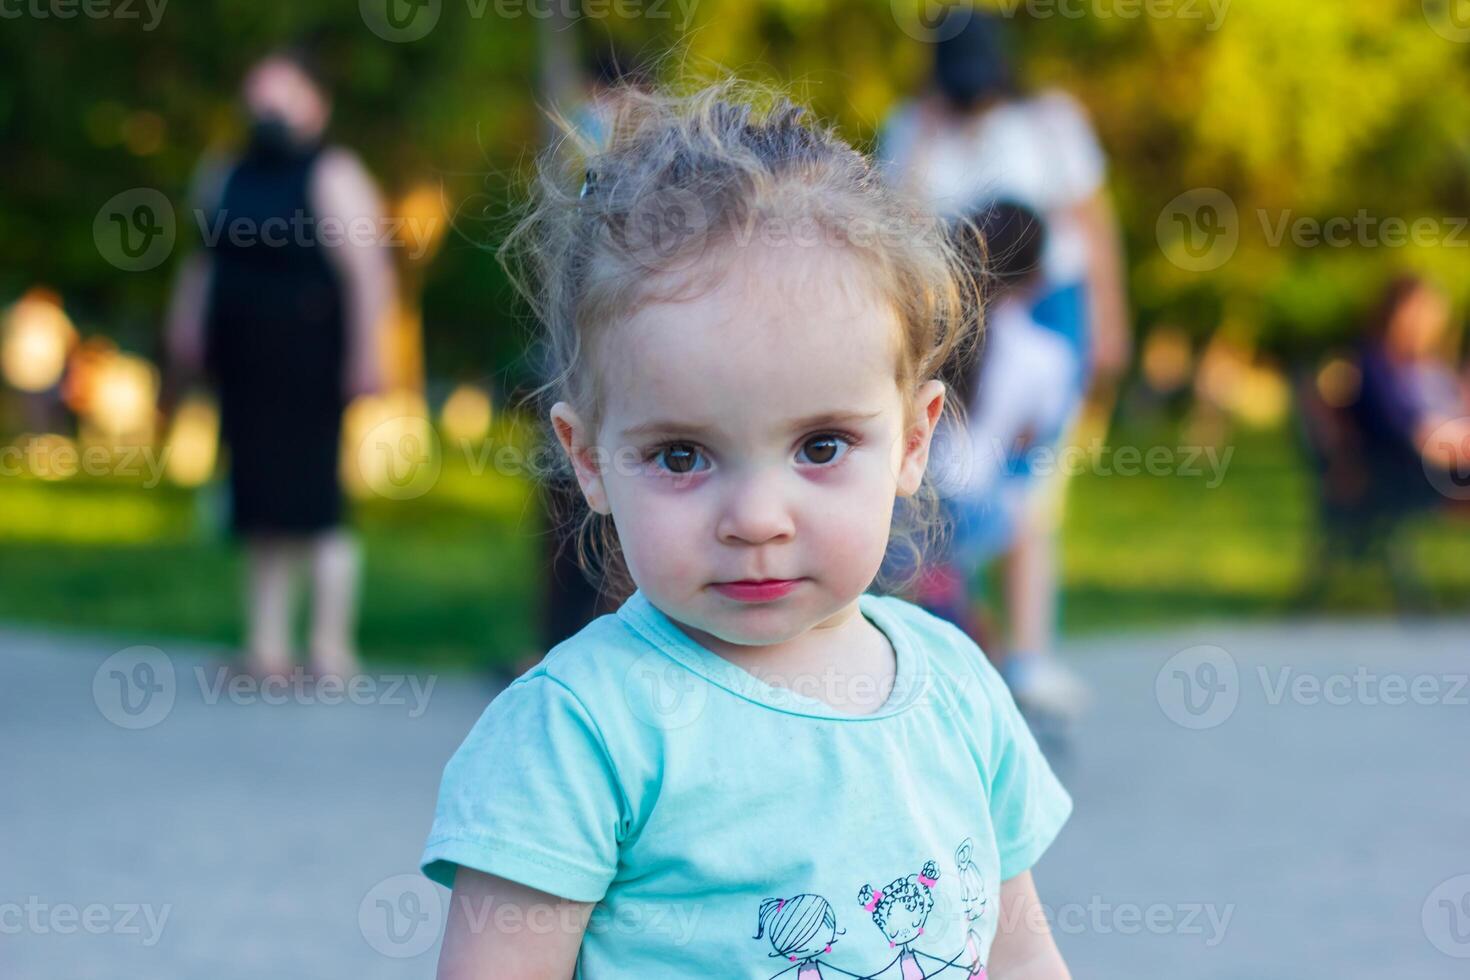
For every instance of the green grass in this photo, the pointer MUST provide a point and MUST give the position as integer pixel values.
(1150, 549)
(451, 578)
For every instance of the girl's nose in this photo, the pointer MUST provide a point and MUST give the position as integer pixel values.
(755, 511)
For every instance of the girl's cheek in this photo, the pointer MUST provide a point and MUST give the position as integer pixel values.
(659, 529)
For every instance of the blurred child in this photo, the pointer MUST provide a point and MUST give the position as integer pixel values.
(979, 134)
(1018, 405)
(755, 767)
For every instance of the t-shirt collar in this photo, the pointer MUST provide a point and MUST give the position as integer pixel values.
(910, 681)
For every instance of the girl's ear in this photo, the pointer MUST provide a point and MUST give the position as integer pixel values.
(576, 441)
(928, 404)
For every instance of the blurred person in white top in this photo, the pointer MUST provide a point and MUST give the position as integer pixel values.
(975, 137)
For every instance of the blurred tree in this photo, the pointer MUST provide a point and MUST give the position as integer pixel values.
(1292, 109)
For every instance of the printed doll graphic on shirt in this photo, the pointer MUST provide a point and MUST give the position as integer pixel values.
(900, 909)
(973, 900)
(800, 929)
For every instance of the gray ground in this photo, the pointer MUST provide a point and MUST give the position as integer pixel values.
(1256, 831)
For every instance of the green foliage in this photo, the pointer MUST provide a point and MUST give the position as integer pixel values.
(1296, 109)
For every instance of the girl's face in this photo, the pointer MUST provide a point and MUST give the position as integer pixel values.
(756, 432)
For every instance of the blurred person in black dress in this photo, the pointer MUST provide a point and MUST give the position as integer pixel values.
(281, 312)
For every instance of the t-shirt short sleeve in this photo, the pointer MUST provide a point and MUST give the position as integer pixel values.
(1079, 162)
(1028, 804)
(532, 796)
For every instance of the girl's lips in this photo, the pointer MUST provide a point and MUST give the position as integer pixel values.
(749, 591)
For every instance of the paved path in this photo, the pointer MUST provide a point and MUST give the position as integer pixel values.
(1227, 826)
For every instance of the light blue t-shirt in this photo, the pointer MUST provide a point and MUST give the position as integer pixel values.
(730, 828)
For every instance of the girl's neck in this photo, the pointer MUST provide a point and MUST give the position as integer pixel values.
(844, 661)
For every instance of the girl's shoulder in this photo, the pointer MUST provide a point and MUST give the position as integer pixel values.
(593, 661)
(951, 657)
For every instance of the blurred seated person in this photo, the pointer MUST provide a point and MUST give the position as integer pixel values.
(1392, 438)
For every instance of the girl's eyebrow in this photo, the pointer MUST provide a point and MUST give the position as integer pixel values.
(671, 428)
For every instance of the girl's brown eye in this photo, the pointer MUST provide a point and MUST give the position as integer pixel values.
(824, 449)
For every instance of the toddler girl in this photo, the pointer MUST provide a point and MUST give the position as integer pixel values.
(738, 772)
